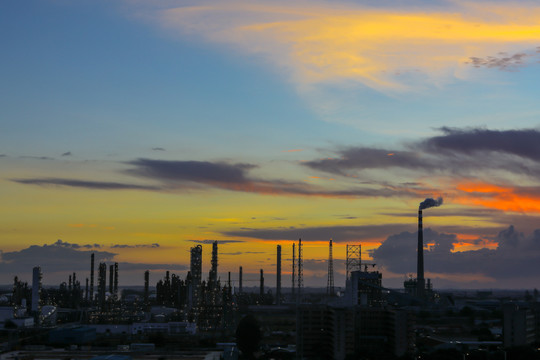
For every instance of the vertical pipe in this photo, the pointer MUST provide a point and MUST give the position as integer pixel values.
(293, 269)
(111, 279)
(240, 280)
(420, 258)
(146, 287)
(300, 282)
(92, 277)
(278, 276)
(261, 290)
(115, 289)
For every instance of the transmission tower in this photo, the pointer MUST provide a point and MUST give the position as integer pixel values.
(354, 262)
(300, 270)
(330, 283)
(293, 269)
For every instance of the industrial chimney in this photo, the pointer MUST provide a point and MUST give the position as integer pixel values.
(92, 278)
(278, 276)
(421, 282)
(240, 281)
(261, 284)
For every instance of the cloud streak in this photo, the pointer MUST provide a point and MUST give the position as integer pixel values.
(179, 175)
(462, 151)
(365, 233)
(86, 184)
(208, 241)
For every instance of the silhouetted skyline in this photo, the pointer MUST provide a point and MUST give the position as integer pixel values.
(138, 130)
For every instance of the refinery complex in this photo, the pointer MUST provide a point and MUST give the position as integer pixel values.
(198, 315)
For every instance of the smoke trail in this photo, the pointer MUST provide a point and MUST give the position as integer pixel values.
(429, 202)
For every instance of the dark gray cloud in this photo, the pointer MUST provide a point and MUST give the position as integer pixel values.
(36, 157)
(2, 155)
(124, 246)
(59, 242)
(208, 241)
(158, 149)
(368, 158)
(58, 260)
(68, 153)
(515, 258)
(242, 252)
(503, 61)
(66, 244)
(456, 151)
(52, 258)
(523, 143)
(323, 233)
(235, 177)
(191, 171)
(94, 185)
(445, 212)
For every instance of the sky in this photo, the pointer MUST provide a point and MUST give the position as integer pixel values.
(136, 130)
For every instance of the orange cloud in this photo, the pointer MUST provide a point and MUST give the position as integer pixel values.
(469, 246)
(498, 197)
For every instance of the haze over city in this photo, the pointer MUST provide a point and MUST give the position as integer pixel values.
(136, 130)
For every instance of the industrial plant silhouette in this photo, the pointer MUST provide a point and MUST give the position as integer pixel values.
(207, 315)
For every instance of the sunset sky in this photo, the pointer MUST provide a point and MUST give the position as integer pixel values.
(139, 129)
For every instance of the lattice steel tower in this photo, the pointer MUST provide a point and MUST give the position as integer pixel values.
(354, 258)
(330, 282)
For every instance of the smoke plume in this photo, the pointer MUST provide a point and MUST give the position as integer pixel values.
(429, 202)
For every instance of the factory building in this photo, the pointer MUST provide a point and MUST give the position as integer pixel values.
(518, 325)
(364, 288)
(338, 332)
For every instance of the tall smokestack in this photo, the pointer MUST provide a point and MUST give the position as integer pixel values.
(214, 263)
(36, 290)
(293, 269)
(92, 277)
(261, 290)
(240, 280)
(115, 290)
(421, 282)
(300, 283)
(278, 276)
(102, 284)
(146, 287)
